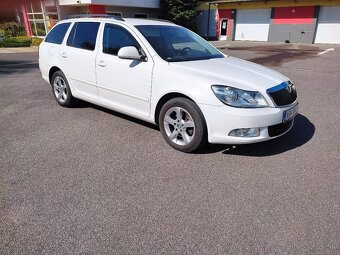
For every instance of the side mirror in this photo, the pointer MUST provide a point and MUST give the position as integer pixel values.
(130, 52)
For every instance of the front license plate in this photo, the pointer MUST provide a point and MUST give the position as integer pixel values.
(290, 113)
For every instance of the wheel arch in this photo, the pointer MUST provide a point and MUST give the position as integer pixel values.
(165, 98)
(53, 69)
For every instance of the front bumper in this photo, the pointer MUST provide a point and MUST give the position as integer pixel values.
(223, 119)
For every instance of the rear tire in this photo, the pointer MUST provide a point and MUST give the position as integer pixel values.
(182, 125)
(61, 90)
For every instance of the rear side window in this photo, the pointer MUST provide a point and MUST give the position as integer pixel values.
(83, 35)
(116, 37)
(57, 34)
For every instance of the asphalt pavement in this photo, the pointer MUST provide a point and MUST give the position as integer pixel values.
(86, 180)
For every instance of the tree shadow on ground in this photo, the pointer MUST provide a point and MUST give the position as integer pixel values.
(83, 104)
(8, 67)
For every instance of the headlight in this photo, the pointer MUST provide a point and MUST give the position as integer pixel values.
(238, 97)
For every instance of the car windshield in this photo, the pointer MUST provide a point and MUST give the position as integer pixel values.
(176, 44)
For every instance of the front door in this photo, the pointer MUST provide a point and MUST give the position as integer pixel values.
(224, 29)
(123, 84)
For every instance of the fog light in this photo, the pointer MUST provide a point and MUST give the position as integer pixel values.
(245, 132)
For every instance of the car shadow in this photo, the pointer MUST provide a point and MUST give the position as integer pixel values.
(302, 131)
(83, 104)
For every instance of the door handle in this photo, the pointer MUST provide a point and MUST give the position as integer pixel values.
(64, 55)
(102, 63)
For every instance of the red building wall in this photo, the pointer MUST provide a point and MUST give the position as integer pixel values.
(96, 9)
(294, 15)
(26, 22)
(225, 14)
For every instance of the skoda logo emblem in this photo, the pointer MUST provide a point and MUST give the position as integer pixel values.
(289, 88)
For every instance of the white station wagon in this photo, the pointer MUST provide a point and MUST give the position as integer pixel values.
(167, 75)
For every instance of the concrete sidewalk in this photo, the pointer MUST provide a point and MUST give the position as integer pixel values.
(19, 50)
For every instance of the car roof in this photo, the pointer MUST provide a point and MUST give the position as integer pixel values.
(136, 22)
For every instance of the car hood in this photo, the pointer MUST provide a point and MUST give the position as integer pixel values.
(232, 72)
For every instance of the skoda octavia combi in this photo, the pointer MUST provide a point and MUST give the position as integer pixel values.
(167, 75)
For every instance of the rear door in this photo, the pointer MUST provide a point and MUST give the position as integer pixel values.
(78, 58)
(49, 50)
(123, 84)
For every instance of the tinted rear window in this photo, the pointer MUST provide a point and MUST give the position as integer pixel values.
(83, 35)
(57, 34)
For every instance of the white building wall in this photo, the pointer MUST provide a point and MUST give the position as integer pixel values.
(70, 10)
(129, 3)
(129, 12)
(73, 2)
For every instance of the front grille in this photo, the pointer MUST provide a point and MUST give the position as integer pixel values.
(283, 94)
(279, 129)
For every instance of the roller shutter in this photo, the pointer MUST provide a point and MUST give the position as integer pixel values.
(252, 24)
(328, 29)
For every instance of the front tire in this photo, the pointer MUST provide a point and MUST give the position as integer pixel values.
(182, 125)
(61, 90)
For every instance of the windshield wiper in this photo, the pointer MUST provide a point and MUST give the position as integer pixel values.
(176, 59)
(182, 59)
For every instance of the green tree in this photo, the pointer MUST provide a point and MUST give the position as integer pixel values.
(181, 12)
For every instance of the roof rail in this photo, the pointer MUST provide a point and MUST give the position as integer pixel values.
(112, 16)
(155, 19)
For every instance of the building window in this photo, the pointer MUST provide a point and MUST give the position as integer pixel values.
(119, 14)
(36, 18)
(141, 15)
(42, 16)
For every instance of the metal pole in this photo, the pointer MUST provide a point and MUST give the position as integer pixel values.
(208, 24)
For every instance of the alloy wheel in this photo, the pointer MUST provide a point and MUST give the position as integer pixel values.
(179, 126)
(60, 89)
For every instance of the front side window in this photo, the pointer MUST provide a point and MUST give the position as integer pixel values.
(116, 37)
(83, 35)
(175, 44)
(57, 34)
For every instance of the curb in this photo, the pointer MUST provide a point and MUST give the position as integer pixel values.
(31, 49)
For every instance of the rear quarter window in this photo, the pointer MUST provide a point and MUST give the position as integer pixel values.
(57, 34)
(83, 35)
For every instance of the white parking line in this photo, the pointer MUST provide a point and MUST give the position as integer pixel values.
(325, 51)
